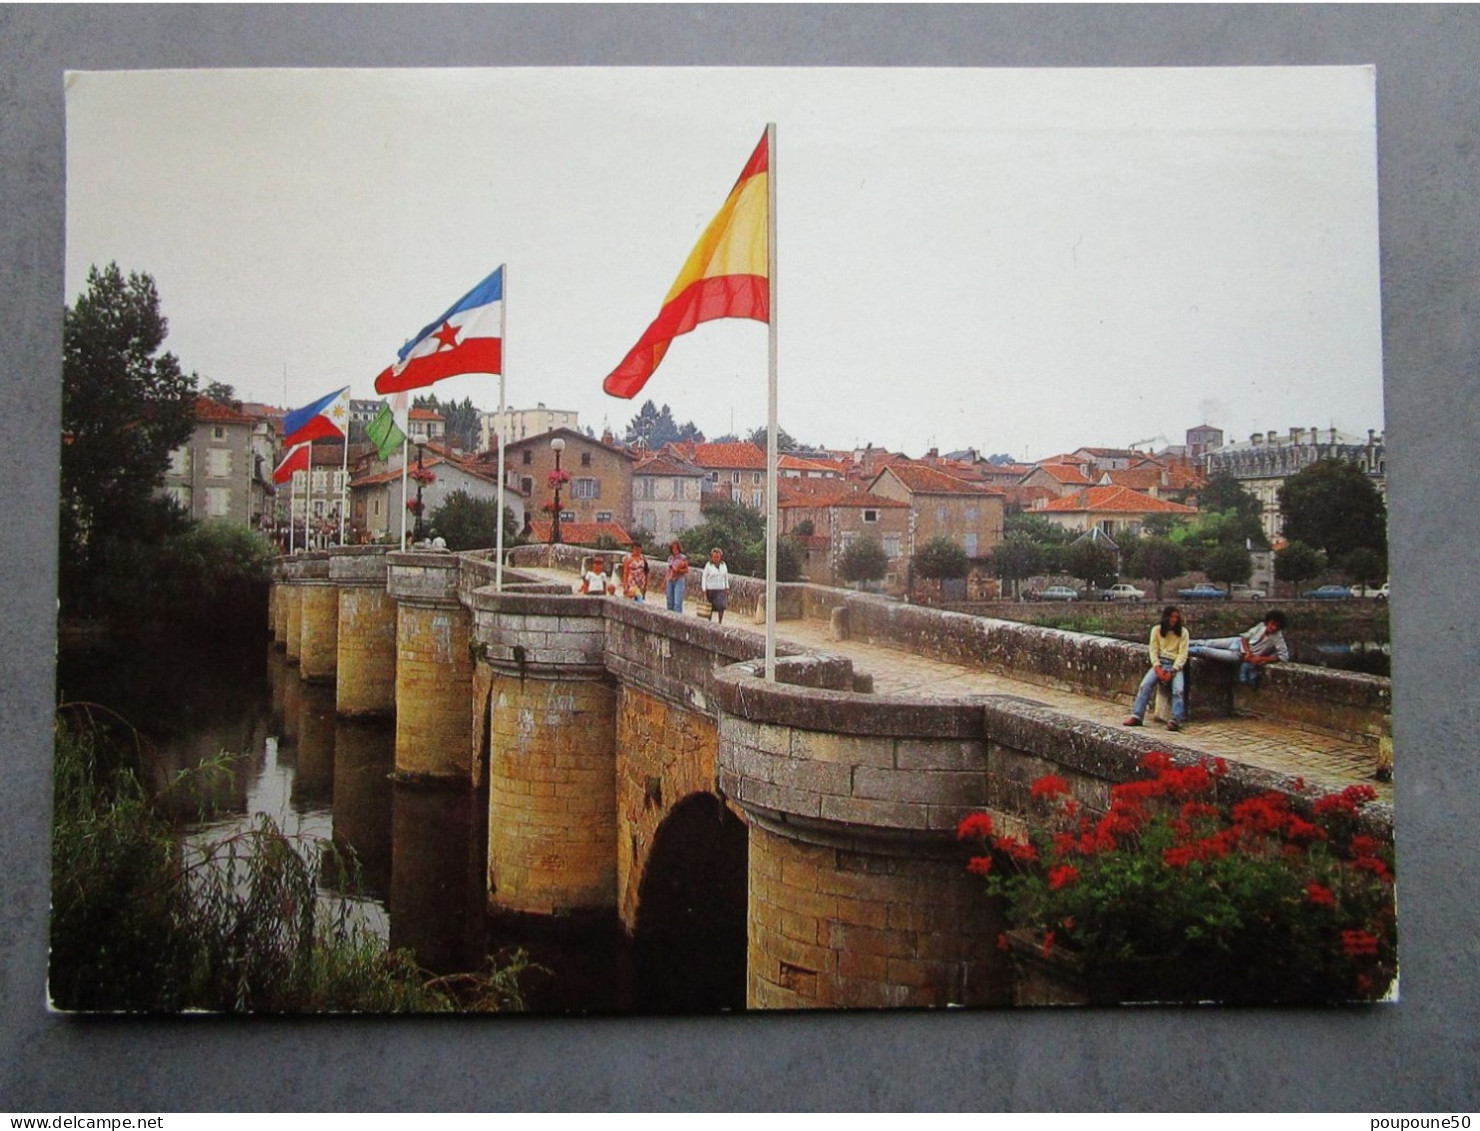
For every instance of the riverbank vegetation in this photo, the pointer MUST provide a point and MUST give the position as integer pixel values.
(146, 920)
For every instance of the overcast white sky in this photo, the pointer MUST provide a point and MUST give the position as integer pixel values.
(1022, 261)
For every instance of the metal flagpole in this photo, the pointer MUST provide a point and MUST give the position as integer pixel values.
(308, 501)
(344, 489)
(503, 366)
(771, 456)
(405, 462)
(292, 506)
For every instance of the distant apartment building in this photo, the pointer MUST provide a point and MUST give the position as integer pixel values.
(1263, 462)
(218, 472)
(521, 423)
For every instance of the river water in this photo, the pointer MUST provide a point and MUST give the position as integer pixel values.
(420, 850)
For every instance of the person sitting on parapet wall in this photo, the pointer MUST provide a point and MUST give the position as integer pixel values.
(1262, 644)
(1168, 647)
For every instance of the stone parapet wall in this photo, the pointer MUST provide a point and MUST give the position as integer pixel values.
(551, 636)
(840, 928)
(423, 575)
(358, 565)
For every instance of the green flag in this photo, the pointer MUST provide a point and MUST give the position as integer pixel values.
(383, 432)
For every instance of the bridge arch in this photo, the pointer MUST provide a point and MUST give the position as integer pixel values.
(689, 935)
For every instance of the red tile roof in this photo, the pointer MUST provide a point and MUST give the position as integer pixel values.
(922, 480)
(829, 493)
(1118, 500)
(796, 463)
(579, 533)
(728, 457)
(425, 414)
(208, 411)
(1064, 473)
(665, 465)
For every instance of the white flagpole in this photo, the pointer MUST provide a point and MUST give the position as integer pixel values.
(771, 455)
(308, 501)
(503, 367)
(405, 461)
(344, 489)
(292, 506)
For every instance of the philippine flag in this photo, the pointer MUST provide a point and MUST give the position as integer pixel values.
(466, 339)
(327, 417)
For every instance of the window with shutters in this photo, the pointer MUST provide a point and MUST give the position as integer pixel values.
(218, 463)
(585, 488)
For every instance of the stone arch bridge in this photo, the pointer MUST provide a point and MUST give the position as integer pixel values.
(635, 760)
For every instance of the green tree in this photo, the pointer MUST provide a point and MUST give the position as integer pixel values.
(467, 523)
(221, 393)
(863, 559)
(1017, 556)
(1228, 564)
(784, 440)
(462, 423)
(1092, 561)
(1298, 562)
(1332, 505)
(1365, 566)
(940, 557)
(125, 407)
(653, 427)
(1158, 560)
(1224, 493)
(740, 531)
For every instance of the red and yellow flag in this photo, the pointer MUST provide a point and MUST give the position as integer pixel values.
(725, 277)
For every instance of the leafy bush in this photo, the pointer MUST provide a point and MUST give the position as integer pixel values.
(940, 557)
(142, 920)
(863, 559)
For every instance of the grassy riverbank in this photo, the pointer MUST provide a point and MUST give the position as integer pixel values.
(144, 921)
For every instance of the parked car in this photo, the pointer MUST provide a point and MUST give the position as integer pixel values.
(1328, 593)
(1246, 593)
(1059, 593)
(1201, 592)
(1124, 591)
(1378, 593)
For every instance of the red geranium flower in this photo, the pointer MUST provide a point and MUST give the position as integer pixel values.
(1050, 785)
(974, 824)
(979, 865)
(1062, 876)
(1320, 895)
(1358, 943)
(1374, 865)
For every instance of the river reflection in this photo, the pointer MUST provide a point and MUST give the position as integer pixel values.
(419, 878)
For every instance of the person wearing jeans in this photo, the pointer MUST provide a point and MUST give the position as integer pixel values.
(1263, 644)
(1168, 649)
(678, 570)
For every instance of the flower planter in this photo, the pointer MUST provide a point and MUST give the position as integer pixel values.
(1064, 977)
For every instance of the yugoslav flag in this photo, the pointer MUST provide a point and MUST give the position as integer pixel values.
(327, 417)
(295, 460)
(466, 339)
(725, 277)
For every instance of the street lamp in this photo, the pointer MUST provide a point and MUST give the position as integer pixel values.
(557, 446)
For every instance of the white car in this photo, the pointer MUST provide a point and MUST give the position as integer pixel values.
(1123, 592)
(1379, 594)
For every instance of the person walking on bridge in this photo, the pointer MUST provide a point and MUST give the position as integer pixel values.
(1168, 647)
(635, 574)
(678, 573)
(717, 583)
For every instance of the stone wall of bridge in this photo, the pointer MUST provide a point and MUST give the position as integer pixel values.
(596, 720)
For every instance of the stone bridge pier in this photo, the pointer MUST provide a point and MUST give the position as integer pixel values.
(434, 669)
(365, 661)
(549, 712)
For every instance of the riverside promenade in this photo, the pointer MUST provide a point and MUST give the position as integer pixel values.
(1325, 761)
